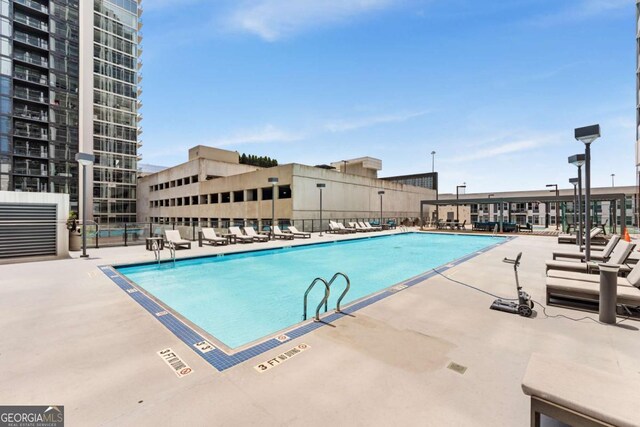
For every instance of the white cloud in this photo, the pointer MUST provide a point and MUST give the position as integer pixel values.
(493, 149)
(268, 133)
(359, 123)
(274, 19)
(582, 9)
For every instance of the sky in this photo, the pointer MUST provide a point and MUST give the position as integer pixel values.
(495, 88)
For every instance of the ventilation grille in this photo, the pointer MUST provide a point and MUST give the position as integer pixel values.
(27, 230)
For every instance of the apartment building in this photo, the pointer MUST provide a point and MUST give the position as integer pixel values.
(69, 82)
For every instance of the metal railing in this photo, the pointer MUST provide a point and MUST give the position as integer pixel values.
(31, 22)
(33, 5)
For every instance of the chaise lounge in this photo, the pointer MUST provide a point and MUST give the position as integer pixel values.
(242, 238)
(173, 236)
(596, 255)
(278, 234)
(251, 232)
(619, 255)
(209, 236)
(293, 230)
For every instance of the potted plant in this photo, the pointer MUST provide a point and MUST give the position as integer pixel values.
(75, 232)
(72, 221)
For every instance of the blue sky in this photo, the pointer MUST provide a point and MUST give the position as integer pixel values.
(495, 88)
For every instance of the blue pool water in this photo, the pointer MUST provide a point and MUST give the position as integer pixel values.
(241, 298)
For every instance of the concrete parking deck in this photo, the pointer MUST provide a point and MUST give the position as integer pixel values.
(69, 336)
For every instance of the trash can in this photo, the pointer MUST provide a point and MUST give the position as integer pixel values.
(75, 239)
(608, 292)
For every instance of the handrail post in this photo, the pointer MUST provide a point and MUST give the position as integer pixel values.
(125, 234)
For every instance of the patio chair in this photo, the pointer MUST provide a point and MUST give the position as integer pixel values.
(344, 229)
(371, 227)
(251, 232)
(174, 237)
(278, 234)
(461, 226)
(293, 230)
(619, 255)
(209, 236)
(571, 238)
(242, 238)
(357, 227)
(598, 255)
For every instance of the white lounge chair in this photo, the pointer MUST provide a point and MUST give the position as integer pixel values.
(619, 256)
(345, 229)
(293, 230)
(251, 232)
(278, 234)
(571, 238)
(357, 227)
(596, 255)
(239, 236)
(368, 225)
(209, 236)
(174, 237)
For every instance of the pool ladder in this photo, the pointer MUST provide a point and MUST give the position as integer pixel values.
(327, 292)
(156, 252)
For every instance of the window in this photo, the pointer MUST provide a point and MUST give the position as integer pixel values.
(252, 195)
(225, 197)
(194, 179)
(267, 193)
(284, 192)
(194, 200)
(213, 198)
(238, 196)
(204, 199)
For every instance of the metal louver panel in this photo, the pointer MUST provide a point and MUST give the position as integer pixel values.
(27, 230)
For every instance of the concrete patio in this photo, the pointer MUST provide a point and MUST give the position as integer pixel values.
(69, 336)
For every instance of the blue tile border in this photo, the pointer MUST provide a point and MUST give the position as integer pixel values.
(220, 360)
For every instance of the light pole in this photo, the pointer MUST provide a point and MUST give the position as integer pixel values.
(578, 160)
(320, 186)
(84, 159)
(433, 161)
(574, 181)
(557, 195)
(381, 192)
(613, 182)
(274, 182)
(458, 187)
(587, 135)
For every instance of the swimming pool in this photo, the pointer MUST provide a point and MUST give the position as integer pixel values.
(240, 298)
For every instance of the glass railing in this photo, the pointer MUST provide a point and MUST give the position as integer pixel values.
(31, 133)
(33, 115)
(34, 23)
(31, 59)
(30, 95)
(31, 77)
(31, 152)
(33, 5)
(30, 171)
(31, 40)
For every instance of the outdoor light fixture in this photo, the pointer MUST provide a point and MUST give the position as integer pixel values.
(433, 161)
(613, 183)
(587, 135)
(273, 181)
(458, 187)
(557, 195)
(84, 159)
(381, 192)
(320, 186)
(578, 160)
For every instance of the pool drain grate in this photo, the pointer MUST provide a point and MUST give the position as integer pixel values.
(457, 368)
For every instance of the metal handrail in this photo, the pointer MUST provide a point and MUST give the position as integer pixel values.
(322, 302)
(344, 293)
(172, 252)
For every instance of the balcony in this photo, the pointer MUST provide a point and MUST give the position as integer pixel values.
(33, 5)
(31, 133)
(30, 171)
(31, 22)
(40, 153)
(31, 77)
(31, 40)
(24, 113)
(30, 95)
(31, 59)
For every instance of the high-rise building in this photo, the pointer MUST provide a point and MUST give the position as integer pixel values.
(69, 82)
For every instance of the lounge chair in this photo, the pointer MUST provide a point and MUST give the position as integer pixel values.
(599, 255)
(278, 234)
(357, 227)
(174, 237)
(582, 287)
(251, 232)
(333, 228)
(580, 395)
(571, 238)
(346, 229)
(209, 236)
(619, 255)
(461, 226)
(371, 227)
(242, 238)
(293, 230)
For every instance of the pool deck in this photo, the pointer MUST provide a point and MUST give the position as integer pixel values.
(69, 336)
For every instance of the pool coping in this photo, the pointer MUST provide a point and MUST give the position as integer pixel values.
(191, 334)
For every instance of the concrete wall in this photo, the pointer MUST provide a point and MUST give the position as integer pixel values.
(62, 214)
(212, 153)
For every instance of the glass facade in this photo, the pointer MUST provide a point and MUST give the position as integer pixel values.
(38, 96)
(115, 109)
